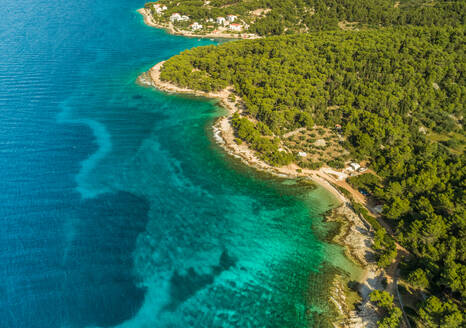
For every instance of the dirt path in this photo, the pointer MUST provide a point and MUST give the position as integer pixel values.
(392, 271)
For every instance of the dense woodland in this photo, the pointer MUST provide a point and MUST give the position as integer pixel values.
(399, 95)
(275, 17)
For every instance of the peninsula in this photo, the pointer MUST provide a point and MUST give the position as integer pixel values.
(375, 116)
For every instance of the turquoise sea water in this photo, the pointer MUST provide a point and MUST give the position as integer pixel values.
(117, 208)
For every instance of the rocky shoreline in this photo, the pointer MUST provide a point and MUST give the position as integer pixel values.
(355, 236)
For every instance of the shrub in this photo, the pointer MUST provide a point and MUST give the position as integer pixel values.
(418, 278)
(336, 163)
(231, 97)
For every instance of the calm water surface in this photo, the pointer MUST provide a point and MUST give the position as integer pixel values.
(118, 209)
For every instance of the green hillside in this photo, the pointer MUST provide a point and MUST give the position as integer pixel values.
(273, 17)
(399, 96)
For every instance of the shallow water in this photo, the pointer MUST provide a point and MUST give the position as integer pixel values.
(116, 206)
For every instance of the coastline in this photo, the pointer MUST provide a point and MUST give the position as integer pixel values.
(354, 235)
(148, 20)
(224, 134)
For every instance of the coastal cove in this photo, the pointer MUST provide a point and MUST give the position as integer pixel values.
(121, 210)
(354, 234)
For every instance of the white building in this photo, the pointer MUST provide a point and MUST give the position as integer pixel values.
(221, 20)
(231, 18)
(355, 166)
(302, 154)
(159, 9)
(195, 26)
(175, 17)
(236, 27)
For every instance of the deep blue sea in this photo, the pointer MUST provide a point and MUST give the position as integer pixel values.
(117, 208)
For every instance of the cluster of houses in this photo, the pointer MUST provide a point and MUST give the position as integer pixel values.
(236, 27)
(228, 21)
(159, 9)
(195, 26)
(355, 167)
(176, 17)
(225, 21)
